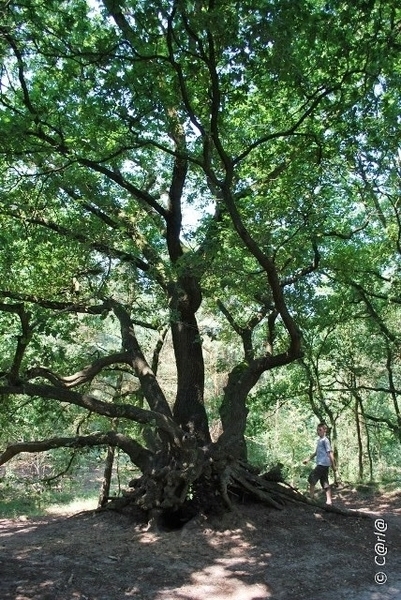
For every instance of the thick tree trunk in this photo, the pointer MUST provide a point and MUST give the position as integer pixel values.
(233, 412)
(189, 410)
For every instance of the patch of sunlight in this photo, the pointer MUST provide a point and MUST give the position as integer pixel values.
(220, 582)
(75, 506)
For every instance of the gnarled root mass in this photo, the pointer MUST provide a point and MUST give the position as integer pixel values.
(170, 498)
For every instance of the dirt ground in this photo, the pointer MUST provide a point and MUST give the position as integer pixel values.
(254, 553)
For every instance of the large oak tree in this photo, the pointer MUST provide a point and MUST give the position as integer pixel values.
(159, 159)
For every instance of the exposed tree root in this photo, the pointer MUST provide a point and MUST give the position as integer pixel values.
(168, 500)
(278, 494)
(256, 488)
(346, 512)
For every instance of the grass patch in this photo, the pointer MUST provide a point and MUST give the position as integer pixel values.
(31, 499)
(24, 494)
(378, 487)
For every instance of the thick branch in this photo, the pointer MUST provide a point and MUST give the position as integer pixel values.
(271, 272)
(23, 339)
(174, 219)
(84, 375)
(99, 247)
(117, 220)
(56, 305)
(233, 409)
(151, 389)
(141, 195)
(123, 411)
(182, 80)
(158, 349)
(21, 72)
(138, 455)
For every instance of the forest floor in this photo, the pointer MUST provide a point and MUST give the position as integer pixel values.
(253, 553)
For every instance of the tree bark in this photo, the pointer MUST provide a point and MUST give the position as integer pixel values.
(107, 474)
(359, 439)
(189, 410)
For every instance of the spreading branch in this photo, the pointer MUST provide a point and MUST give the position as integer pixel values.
(88, 402)
(138, 455)
(85, 375)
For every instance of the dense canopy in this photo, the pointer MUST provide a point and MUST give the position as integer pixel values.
(179, 172)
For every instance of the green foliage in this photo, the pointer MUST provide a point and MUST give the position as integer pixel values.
(30, 495)
(237, 160)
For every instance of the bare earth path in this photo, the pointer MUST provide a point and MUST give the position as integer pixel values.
(299, 553)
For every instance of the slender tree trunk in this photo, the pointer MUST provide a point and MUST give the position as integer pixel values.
(334, 440)
(394, 394)
(359, 438)
(368, 447)
(107, 474)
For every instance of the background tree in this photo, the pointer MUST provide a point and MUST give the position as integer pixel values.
(160, 155)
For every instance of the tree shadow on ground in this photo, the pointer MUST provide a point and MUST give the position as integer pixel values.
(253, 553)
